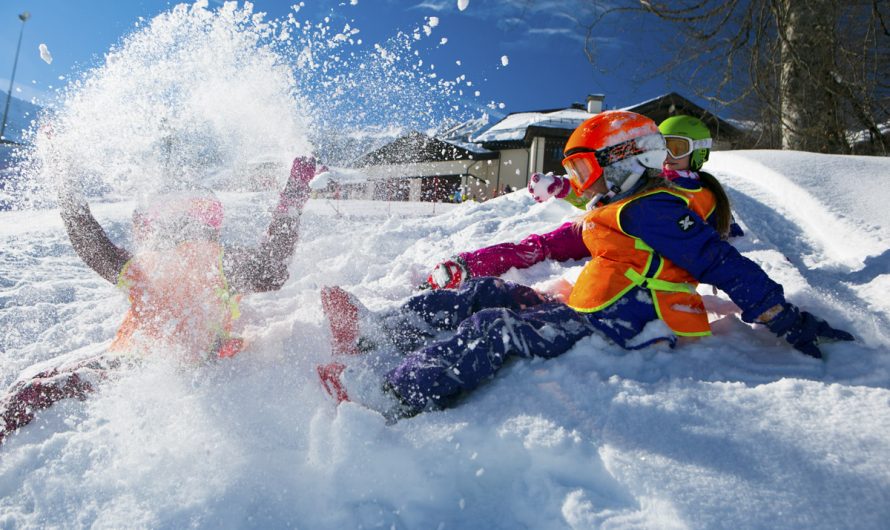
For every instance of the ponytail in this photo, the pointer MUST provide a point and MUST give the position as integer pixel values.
(723, 216)
(722, 213)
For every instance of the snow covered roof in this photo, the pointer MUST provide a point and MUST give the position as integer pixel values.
(671, 104)
(417, 147)
(514, 127)
(461, 134)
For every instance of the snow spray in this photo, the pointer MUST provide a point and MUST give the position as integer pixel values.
(223, 99)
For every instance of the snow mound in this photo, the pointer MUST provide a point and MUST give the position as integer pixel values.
(735, 431)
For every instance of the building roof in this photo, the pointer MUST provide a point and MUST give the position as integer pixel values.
(464, 141)
(672, 104)
(416, 147)
(515, 128)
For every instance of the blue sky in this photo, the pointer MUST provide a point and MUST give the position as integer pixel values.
(547, 66)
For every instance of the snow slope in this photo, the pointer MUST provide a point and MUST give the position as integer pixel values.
(736, 431)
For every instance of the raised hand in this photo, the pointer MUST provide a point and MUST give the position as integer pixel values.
(296, 192)
(542, 186)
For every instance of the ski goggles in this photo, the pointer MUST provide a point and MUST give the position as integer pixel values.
(205, 211)
(680, 146)
(583, 170)
(584, 166)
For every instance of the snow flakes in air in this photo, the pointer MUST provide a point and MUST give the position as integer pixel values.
(462, 4)
(505, 60)
(45, 55)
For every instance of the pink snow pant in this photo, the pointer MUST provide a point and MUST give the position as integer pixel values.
(25, 398)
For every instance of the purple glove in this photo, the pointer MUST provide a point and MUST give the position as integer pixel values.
(296, 192)
(542, 187)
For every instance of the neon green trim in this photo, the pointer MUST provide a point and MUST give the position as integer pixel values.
(123, 283)
(711, 211)
(639, 244)
(687, 190)
(655, 284)
(225, 294)
(693, 333)
(574, 200)
(604, 305)
(657, 305)
(648, 193)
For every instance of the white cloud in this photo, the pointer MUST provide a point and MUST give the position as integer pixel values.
(527, 22)
(432, 5)
(557, 32)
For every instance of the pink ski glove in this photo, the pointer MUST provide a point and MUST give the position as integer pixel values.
(296, 192)
(542, 187)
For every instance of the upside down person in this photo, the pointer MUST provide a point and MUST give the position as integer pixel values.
(183, 285)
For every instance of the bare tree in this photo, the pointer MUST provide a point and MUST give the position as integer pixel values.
(816, 71)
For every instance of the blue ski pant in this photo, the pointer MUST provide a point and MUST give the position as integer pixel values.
(493, 320)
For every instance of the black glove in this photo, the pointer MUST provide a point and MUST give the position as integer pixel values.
(804, 330)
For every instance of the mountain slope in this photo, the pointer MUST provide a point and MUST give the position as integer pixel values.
(19, 117)
(735, 431)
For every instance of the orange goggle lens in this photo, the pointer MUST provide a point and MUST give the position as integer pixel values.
(583, 170)
(678, 146)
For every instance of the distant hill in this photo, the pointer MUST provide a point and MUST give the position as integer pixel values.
(19, 118)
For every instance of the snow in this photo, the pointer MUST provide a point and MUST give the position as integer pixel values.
(462, 4)
(338, 175)
(514, 126)
(735, 431)
(45, 54)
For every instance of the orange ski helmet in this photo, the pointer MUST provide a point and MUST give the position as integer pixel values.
(606, 139)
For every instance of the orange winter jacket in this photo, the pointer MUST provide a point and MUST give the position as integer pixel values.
(180, 304)
(621, 262)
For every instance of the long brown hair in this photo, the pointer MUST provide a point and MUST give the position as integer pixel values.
(723, 215)
(722, 212)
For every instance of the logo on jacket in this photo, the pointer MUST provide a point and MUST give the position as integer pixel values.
(686, 222)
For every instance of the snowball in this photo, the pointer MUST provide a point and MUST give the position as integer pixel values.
(45, 55)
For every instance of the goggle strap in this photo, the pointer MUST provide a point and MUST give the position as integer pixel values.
(609, 155)
(704, 143)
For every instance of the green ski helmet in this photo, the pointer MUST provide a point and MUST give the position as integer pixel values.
(684, 135)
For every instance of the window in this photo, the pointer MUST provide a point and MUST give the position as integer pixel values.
(553, 155)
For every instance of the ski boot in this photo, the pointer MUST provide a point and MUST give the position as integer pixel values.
(367, 389)
(351, 323)
(329, 375)
(343, 312)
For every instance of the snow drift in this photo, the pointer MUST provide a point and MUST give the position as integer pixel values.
(736, 431)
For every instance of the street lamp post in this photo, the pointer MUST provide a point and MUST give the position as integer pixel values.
(24, 18)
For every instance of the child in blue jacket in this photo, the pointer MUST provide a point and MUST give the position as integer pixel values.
(650, 243)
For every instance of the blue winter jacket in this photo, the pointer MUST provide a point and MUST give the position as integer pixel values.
(662, 221)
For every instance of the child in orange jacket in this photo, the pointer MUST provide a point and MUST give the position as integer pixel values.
(183, 286)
